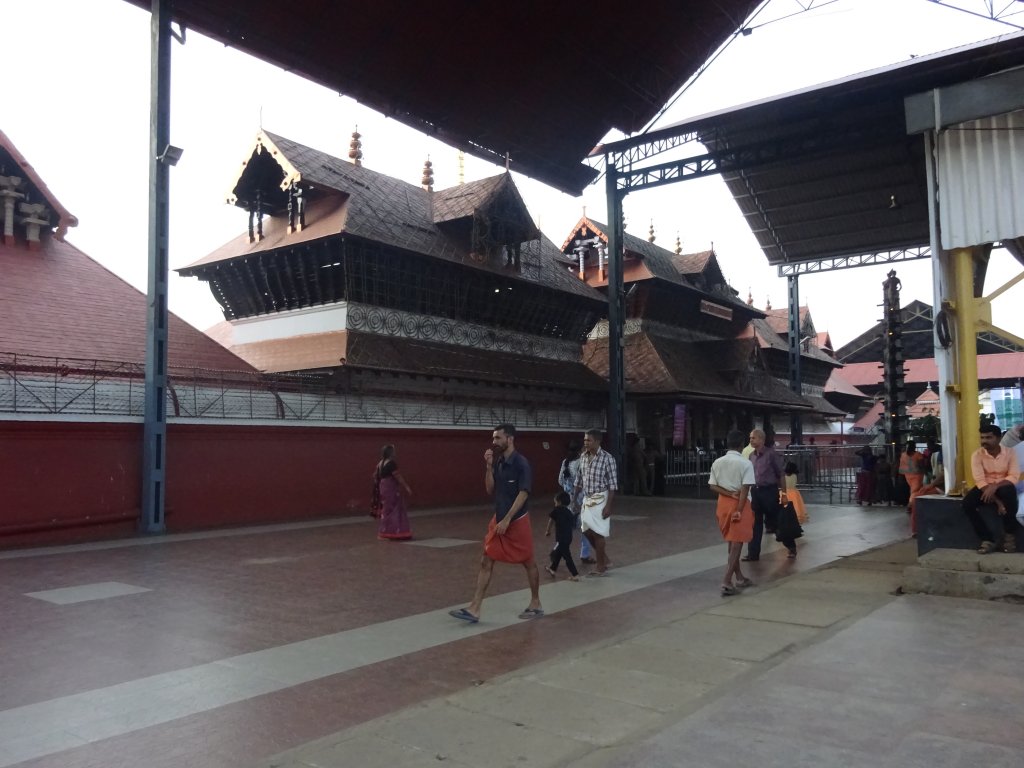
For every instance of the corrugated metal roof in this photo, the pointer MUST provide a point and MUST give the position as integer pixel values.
(830, 171)
(980, 167)
(541, 81)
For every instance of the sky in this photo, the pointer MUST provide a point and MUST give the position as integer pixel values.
(76, 105)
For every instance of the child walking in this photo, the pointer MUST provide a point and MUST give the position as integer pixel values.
(563, 519)
(793, 494)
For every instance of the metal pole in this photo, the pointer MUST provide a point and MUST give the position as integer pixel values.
(796, 427)
(154, 434)
(616, 320)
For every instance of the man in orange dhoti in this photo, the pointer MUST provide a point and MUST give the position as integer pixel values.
(509, 537)
(731, 478)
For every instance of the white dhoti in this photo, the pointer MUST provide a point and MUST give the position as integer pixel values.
(591, 514)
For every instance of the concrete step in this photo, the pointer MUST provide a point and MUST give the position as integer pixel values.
(963, 573)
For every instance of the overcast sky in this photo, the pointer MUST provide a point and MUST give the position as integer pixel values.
(76, 103)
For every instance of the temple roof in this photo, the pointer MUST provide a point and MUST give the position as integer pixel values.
(390, 354)
(353, 200)
(13, 163)
(659, 263)
(58, 302)
(720, 370)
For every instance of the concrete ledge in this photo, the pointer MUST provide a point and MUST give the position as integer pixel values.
(941, 523)
(964, 560)
(978, 585)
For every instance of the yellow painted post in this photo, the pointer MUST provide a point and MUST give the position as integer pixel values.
(967, 361)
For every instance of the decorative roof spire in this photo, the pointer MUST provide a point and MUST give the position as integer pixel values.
(768, 303)
(462, 167)
(750, 297)
(679, 245)
(650, 233)
(428, 175)
(355, 148)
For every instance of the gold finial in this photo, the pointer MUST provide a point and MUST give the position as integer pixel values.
(462, 167)
(428, 175)
(650, 233)
(679, 245)
(355, 148)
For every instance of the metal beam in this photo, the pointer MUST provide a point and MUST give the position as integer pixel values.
(856, 260)
(154, 433)
(616, 319)
(796, 427)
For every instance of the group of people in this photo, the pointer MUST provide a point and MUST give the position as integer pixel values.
(754, 493)
(593, 478)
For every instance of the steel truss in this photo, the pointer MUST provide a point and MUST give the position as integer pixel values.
(856, 260)
(995, 10)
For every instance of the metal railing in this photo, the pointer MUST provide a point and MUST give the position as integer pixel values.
(77, 387)
(831, 468)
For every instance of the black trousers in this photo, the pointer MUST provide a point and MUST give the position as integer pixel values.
(765, 501)
(1006, 494)
(562, 551)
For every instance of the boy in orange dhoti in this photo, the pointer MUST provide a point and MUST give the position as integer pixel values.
(731, 478)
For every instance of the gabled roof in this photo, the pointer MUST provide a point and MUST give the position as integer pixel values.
(59, 303)
(769, 338)
(658, 263)
(918, 338)
(462, 201)
(25, 169)
(355, 201)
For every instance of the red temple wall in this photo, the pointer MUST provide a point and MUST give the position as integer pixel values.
(72, 481)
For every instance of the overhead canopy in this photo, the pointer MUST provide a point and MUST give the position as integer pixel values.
(541, 81)
(830, 171)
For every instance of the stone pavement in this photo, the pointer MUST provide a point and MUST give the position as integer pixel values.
(831, 667)
(314, 644)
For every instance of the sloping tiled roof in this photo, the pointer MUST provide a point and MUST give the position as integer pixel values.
(58, 302)
(871, 417)
(431, 359)
(399, 355)
(461, 201)
(25, 169)
(707, 370)
(691, 263)
(838, 383)
(382, 209)
(1006, 365)
(769, 338)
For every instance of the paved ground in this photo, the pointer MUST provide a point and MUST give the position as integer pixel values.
(317, 645)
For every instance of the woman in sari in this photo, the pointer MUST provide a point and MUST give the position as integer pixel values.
(394, 521)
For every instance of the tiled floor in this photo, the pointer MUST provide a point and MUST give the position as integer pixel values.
(248, 643)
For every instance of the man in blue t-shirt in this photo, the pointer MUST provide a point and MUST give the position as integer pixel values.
(509, 536)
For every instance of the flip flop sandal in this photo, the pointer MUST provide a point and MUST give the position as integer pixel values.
(729, 591)
(744, 583)
(531, 613)
(986, 548)
(463, 615)
(1010, 543)
(597, 574)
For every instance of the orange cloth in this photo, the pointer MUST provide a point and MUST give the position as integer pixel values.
(514, 546)
(794, 495)
(743, 530)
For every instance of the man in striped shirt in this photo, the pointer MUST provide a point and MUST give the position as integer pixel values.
(598, 481)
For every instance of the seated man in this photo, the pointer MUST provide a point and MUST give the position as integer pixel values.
(995, 472)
